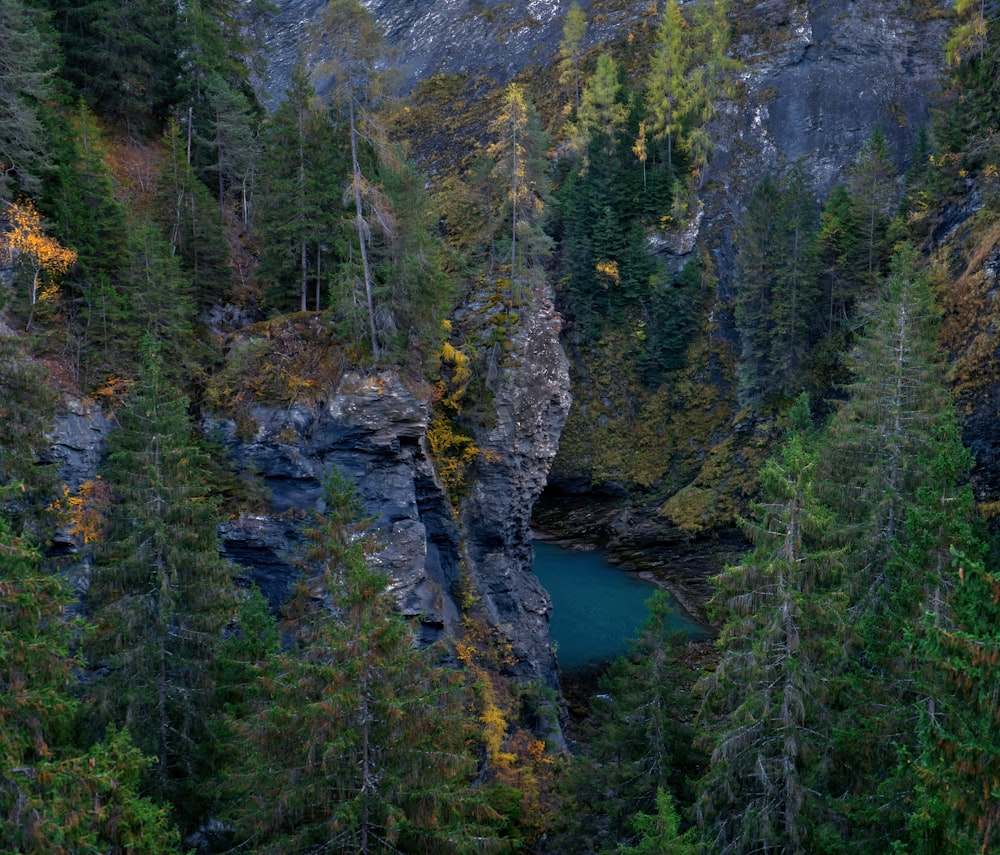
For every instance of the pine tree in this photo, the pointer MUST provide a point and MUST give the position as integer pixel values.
(767, 707)
(359, 744)
(160, 595)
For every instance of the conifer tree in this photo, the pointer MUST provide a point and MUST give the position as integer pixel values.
(602, 115)
(570, 48)
(893, 472)
(517, 152)
(360, 742)
(27, 407)
(122, 57)
(841, 257)
(778, 307)
(353, 52)
(767, 707)
(873, 188)
(191, 217)
(160, 595)
(55, 797)
(638, 749)
(301, 177)
(26, 85)
(665, 88)
(959, 761)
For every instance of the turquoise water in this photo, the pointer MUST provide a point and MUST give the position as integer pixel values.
(596, 608)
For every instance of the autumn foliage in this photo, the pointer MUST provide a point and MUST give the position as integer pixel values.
(25, 242)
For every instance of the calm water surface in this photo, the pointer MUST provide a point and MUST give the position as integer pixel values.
(596, 608)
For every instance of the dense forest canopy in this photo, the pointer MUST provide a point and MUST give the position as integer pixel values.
(170, 248)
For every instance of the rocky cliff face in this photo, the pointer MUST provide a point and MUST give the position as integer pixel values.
(374, 428)
(818, 78)
(532, 401)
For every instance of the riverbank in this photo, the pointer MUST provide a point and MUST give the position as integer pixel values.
(638, 541)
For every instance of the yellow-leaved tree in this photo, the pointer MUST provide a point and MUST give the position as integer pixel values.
(24, 241)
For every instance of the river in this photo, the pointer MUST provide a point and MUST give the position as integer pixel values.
(596, 607)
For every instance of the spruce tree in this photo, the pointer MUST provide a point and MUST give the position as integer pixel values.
(160, 595)
(767, 707)
(353, 51)
(360, 741)
(959, 759)
(778, 300)
(302, 172)
(54, 796)
(638, 747)
(26, 86)
(872, 181)
(893, 472)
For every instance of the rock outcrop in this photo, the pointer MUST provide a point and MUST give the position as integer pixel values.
(532, 400)
(374, 429)
(817, 79)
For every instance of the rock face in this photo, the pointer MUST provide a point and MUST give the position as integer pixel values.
(373, 428)
(473, 37)
(532, 401)
(819, 77)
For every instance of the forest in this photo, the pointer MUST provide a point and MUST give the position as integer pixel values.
(174, 241)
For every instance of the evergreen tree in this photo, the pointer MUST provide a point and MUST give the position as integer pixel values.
(570, 49)
(303, 192)
(872, 181)
(767, 706)
(842, 258)
(959, 762)
(360, 744)
(160, 595)
(54, 797)
(27, 408)
(353, 48)
(778, 300)
(26, 85)
(638, 745)
(893, 473)
(122, 57)
(191, 217)
(661, 832)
